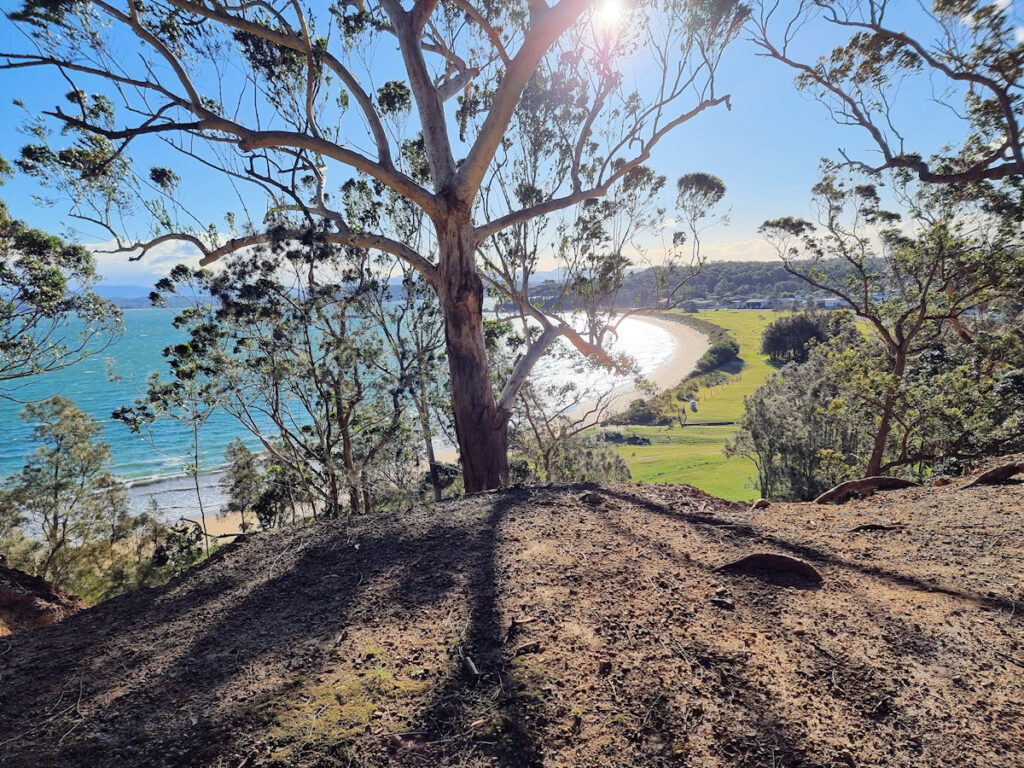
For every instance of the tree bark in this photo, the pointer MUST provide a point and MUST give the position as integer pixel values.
(423, 412)
(885, 424)
(481, 426)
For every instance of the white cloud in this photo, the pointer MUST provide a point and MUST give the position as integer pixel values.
(116, 267)
(1018, 34)
(752, 249)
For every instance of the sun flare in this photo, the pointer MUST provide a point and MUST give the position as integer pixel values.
(610, 13)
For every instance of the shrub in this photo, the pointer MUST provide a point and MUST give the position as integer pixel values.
(790, 337)
(641, 412)
(720, 353)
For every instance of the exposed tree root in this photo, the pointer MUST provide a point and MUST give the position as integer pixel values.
(780, 564)
(864, 485)
(1000, 474)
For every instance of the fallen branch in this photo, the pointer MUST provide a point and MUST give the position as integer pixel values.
(998, 475)
(877, 483)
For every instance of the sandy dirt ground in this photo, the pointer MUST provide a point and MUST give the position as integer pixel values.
(558, 626)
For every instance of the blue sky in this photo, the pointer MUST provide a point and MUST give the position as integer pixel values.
(766, 150)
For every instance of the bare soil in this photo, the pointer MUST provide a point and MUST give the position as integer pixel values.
(27, 602)
(557, 626)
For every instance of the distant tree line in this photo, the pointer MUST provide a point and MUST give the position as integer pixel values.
(721, 282)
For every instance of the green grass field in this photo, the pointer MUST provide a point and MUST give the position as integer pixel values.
(693, 454)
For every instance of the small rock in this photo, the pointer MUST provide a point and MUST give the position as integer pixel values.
(534, 647)
(724, 603)
(938, 482)
(604, 668)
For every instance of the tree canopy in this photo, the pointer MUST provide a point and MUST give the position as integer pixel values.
(49, 316)
(967, 55)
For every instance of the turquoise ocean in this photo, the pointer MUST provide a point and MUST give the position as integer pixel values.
(89, 385)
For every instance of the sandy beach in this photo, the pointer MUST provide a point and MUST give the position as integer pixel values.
(689, 343)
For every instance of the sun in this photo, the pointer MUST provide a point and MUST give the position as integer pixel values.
(610, 13)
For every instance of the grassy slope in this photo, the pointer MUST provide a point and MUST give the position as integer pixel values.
(694, 454)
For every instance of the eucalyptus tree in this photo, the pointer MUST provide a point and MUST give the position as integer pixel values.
(795, 431)
(65, 499)
(189, 397)
(912, 275)
(813, 424)
(277, 96)
(285, 337)
(891, 60)
(242, 480)
(407, 317)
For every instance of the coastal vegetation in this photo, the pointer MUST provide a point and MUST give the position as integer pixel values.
(44, 283)
(344, 326)
(537, 136)
(66, 519)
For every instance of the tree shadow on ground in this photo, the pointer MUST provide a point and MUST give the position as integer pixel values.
(285, 624)
(733, 367)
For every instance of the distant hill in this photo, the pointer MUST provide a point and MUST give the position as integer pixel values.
(133, 296)
(108, 291)
(721, 283)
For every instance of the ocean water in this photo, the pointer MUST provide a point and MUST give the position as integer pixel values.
(156, 466)
(88, 384)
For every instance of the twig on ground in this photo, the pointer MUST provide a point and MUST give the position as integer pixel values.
(1009, 658)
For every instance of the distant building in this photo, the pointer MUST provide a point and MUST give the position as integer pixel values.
(830, 304)
(789, 302)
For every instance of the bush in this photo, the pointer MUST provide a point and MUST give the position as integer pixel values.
(641, 412)
(791, 337)
(620, 439)
(720, 353)
(574, 459)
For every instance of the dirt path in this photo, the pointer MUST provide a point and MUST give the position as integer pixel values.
(599, 629)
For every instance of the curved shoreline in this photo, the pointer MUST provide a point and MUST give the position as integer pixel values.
(690, 345)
